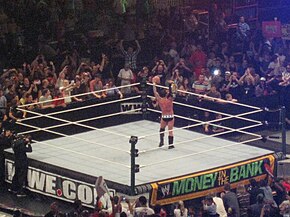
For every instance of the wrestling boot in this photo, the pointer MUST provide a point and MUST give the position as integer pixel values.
(161, 137)
(170, 142)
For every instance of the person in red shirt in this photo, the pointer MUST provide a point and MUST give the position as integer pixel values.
(286, 184)
(165, 102)
(198, 60)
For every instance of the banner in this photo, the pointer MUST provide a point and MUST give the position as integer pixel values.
(271, 29)
(202, 183)
(57, 186)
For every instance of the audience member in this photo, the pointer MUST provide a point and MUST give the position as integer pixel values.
(230, 201)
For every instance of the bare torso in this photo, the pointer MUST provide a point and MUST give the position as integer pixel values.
(166, 105)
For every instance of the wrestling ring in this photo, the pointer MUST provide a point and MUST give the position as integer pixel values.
(91, 139)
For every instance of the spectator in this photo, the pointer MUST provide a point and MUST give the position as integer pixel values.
(184, 86)
(217, 78)
(176, 77)
(183, 68)
(201, 86)
(11, 95)
(280, 190)
(274, 82)
(111, 90)
(285, 208)
(229, 97)
(96, 86)
(268, 196)
(106, 68)
(159, 211)
(79, 88)
(248, 82)
(262, 89)
(220, 208)
(243, 29)
(256, 208)
(231, 202)
(234, 86)
(286, 184)
(141, 208)
(274, 66)
(3, 103)
(198, 59)
(61, 78)
(66, 90)
(126, 76)
(209, 207)
(217, 127)
(28, 100)
(131, 55)
(254, 190)
(160, 69)
(46, 100)
(243, 199)
(180, 210)
(213, 93)
(224, 85)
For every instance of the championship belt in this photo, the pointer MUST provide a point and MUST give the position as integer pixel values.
(174, 89)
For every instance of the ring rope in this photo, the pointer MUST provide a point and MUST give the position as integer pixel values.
(198, 124)
(203, 137)
(221, 126)
(216, 112)
(80, 121)
(76, 137)
(76, 152)
(84, 107)
(197, 153)
(76, 95)
(74, 123)
(227, 128)
(200, 95)
(222, 113)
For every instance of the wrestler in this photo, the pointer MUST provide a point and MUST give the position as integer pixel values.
(165, 102)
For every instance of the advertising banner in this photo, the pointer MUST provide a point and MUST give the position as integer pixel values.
(54, 185)
(202, 183)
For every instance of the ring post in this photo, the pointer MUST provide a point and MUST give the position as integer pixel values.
(283, 126)
(134, 167)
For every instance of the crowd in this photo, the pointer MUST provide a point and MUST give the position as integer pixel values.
(254, 200)
(239, 66)
(53, 58)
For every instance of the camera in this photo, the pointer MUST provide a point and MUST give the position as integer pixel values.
(20, 140)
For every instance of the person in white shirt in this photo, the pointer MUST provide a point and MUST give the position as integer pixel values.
(220, 208)
(126, 75)
(141, 209)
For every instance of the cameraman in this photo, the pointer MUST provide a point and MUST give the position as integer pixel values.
(20, 145)
(5, 142)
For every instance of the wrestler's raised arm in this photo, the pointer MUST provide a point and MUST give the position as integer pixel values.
(156, 94)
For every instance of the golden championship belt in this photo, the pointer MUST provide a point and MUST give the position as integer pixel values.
(174, 89)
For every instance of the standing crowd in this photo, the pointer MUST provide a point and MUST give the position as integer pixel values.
(51, 59)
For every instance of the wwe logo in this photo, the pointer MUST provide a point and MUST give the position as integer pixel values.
(165, 190)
